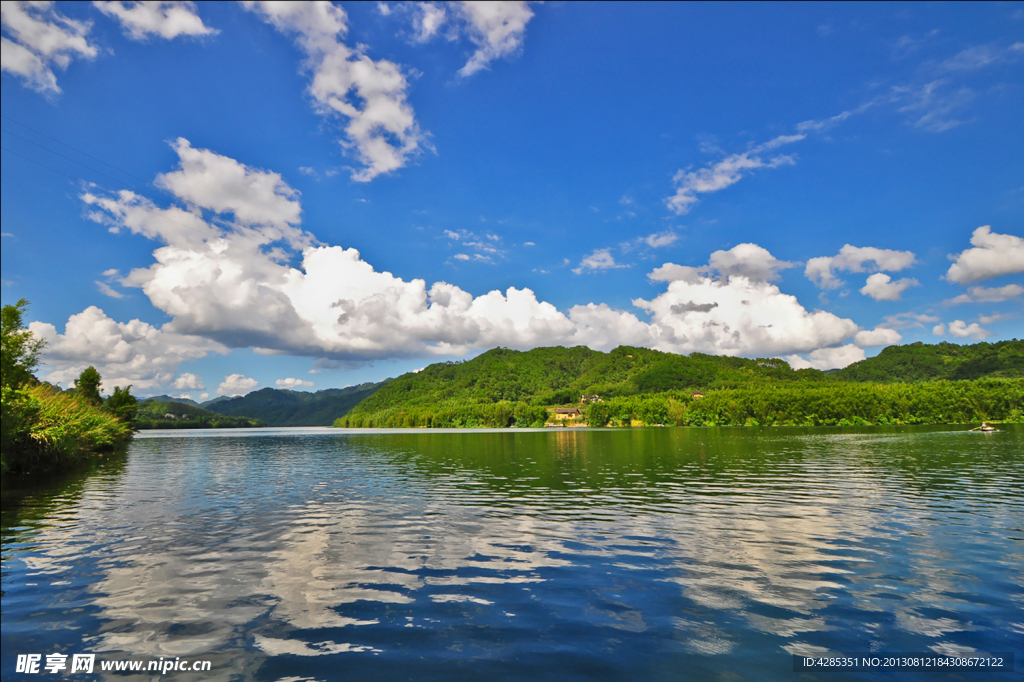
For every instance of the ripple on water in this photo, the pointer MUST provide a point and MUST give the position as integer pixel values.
(594, 554)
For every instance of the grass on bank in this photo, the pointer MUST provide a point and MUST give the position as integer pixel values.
(45, 429)
(42, 427)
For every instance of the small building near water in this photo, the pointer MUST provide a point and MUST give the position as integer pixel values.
(587, 399)
(566, 413)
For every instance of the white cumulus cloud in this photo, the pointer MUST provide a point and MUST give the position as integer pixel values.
(236, 384)
(879, 336)
(371, 95)
(738, 316)
(292, 383)
(882, 287)
(41, 39)
(827, 358)
(164, 19)
(124, 353)
(743, 260)
(962, 330)
(187, 381)
(993, 255)
(670, 272)
(850, 258)
(261, 282)
(748, 260)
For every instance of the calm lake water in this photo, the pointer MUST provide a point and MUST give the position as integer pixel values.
(643, 554)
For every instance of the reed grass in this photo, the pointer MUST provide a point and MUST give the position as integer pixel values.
(46, 429)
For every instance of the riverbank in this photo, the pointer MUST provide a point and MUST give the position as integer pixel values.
(46, 430)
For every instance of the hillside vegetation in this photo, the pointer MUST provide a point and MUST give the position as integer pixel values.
(923, 362)
(640, 386)
(159, 414)
(44, 428)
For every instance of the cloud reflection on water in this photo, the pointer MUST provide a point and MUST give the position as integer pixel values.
(217, 551)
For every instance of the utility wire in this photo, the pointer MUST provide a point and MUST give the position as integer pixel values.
(42, 164)
(65, 144)
(68, 158)
(77, 179)
(118, 180)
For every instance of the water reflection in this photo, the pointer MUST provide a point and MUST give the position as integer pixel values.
(600, 554)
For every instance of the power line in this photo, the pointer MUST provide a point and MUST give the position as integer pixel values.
(118, 180)
(77, 179)
(68, 158)
(74, 149)
(41, 164)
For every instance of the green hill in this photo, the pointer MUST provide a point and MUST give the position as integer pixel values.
(503, 387)
(160, 414)
(552, 376)
(923, 362)
(278, 407)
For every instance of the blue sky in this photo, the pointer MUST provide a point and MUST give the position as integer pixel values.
(204, 200)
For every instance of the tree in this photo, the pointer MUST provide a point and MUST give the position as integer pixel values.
(122, 404)
(19, 355)
(88, 385)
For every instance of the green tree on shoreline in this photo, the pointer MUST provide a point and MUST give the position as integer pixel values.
(88, 385)
(122, 404)
(44, 428)
(20, 351)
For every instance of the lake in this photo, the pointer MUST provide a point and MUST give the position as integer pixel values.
(559, 554)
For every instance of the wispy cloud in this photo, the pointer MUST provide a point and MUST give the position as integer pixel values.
(987, 295)
(168, 20)
(497, 29)
(487, 246)
(41, 39)
(690, 184)
(826, 123)
(600, 259)
(107, 290)
(371, 95)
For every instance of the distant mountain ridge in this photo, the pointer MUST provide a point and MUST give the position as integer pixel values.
(169, 399)
(175, 413)
(282, 407)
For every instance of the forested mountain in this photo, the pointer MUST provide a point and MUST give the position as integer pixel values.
(154, 413)
(924, 362)
(502, 386)
(279, 407)
(552, 376)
